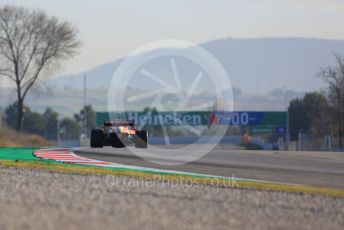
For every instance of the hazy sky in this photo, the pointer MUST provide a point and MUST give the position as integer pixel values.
(112, 28)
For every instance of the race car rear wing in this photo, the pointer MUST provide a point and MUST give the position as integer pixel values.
(119, 123)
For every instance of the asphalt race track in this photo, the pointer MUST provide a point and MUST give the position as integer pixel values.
(307, 168)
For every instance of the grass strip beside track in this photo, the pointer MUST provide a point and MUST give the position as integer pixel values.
(23, 158)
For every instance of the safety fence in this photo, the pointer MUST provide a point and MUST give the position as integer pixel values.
(326, 143)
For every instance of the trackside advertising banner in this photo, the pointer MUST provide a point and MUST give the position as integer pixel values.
(198, 118)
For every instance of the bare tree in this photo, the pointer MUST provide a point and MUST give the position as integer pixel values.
(334, 77)
(31, 43)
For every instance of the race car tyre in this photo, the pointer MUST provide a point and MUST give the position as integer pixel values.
(141, 139)
(116, 142)
(96, 138)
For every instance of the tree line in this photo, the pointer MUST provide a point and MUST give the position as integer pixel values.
(49, 125)
(321, 113)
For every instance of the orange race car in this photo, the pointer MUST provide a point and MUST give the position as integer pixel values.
(117, 134)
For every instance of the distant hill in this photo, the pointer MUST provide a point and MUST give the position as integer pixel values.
(254, 65)
(259, 69)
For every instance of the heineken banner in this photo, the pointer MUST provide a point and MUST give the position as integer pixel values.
(198, 118)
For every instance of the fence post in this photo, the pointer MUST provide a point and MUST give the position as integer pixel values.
(1, 116)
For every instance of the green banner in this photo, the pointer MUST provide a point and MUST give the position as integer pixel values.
(198, 118)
